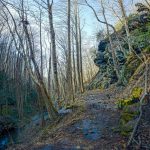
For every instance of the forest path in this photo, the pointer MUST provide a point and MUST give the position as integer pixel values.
(92, 131)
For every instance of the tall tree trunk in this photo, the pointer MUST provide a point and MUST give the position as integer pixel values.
(39, 82)
(41, 44)
(77, 44)
(39, 96)
(80, 55)
(54, 56)
(19, 94)
(49, 71)
(70, 95)
(74, 63)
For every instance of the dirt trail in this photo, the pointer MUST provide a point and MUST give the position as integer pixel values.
(92, 131)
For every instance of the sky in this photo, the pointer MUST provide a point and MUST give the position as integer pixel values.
(91, 25)
(88, 21)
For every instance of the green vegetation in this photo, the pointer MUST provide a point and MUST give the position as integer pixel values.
(9, 100)
(132, 99)
(131, 66)
(128, 119)
(45, 59)
(129, 107)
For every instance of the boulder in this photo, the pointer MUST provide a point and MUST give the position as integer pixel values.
(120, 57)
(102, 45)
(144, 18)
(100, 60)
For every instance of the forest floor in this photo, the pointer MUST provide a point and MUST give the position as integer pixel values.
(90, 127)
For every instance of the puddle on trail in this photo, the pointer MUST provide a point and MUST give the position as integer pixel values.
(89, 129)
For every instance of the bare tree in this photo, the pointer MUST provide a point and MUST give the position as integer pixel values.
(124, 16)
(111, 43)
(36, 77)
(69, 66)
(54, 55)
(80, 56)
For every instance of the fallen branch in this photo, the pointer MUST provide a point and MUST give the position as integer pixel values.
(138, 121)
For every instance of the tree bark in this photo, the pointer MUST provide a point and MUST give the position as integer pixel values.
(54, 55)
(80, 55)
(70, 94)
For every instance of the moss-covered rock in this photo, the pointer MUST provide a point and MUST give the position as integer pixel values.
(127, 122)
(125, 130)
(127, 62)
(136, 93)
(130, 111)
(128, 119)
(132, 99)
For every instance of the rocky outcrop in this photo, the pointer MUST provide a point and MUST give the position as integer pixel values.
(105, 62)
(139, 28)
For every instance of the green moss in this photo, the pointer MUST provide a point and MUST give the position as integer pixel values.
(101, 87)
(136, 92)
(130, 110)
(127, 121)
(134, 98)
(126, 117)
(140, 38)
(124, 102)
(125, 131)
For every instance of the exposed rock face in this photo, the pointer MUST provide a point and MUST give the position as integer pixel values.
(142, 8)
(137, 21)
(105, 62)
(102, 45)
(103, 57)
(120, 57)
(100, 59)
(142, 17)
